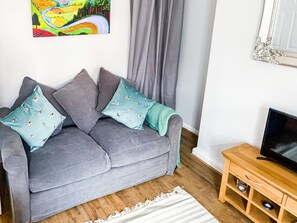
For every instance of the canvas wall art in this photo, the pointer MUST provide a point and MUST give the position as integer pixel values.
(70, 17)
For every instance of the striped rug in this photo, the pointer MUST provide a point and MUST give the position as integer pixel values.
(175, 207)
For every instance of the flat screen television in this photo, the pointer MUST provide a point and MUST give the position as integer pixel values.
(280, 139)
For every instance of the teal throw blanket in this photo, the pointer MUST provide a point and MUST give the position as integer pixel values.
(158, 117)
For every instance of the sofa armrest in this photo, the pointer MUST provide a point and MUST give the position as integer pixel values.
(173, 133)
(16, 167)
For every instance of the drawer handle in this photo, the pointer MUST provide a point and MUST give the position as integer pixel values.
(254, 182)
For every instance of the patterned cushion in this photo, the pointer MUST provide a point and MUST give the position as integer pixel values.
(128, 106)
(26, 90)
(35, 120)
(108, 84)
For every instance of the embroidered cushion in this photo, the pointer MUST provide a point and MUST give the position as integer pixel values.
(35, 120)
(27, 87)
(128, 106)
(108, 84)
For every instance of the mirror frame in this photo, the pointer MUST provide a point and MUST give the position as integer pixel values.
(262, 49)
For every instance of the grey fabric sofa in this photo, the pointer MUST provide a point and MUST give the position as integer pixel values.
(74, 167)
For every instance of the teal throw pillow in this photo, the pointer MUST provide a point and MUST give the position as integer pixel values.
(128, 106)
(35, 120)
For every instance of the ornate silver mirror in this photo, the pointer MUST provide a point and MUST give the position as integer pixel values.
(277, 38)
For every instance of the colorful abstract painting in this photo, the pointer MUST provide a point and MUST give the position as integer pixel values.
(70, 17)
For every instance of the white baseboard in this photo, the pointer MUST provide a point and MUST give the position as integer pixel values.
(190, 128)
(207, 159)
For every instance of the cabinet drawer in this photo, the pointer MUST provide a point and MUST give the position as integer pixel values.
(257, 183)
(291, 205)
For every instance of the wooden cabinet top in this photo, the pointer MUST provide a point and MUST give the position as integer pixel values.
(280, 177)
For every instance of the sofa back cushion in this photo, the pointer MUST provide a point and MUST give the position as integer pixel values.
(4, 111)
(79, 99)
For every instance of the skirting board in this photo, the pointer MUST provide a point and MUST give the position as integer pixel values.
(205, 158)
(190, 128)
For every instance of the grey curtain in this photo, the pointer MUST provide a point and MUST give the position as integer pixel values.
(156, 29)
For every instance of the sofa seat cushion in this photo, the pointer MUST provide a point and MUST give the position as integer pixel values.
(126, 146)
(68, 157)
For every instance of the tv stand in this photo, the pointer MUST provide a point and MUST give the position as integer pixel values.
(266, 185)
(264, 158)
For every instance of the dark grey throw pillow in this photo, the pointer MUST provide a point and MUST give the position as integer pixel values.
(108, 84)
(4, 111)
(26, 90)
(79, 99)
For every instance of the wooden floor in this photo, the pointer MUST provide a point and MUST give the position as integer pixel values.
(197, 178)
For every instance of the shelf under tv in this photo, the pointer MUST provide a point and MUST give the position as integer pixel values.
(266, 181)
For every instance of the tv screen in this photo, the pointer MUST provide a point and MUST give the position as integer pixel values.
(280, 139)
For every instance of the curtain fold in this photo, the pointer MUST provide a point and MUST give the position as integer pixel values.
(156, 29)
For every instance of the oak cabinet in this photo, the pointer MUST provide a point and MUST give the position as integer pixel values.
(262, 190)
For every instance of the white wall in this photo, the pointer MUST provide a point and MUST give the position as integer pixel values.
(196, 39)
(239, 90)
(55, 60)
